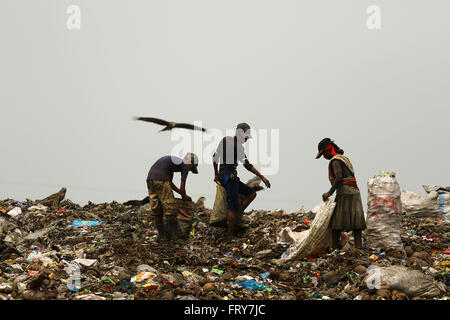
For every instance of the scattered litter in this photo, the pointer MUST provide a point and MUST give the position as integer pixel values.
(45, 255)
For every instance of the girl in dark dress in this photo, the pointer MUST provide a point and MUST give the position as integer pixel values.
(348, 213)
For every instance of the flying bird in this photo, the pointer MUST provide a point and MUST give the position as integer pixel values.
(169, 125)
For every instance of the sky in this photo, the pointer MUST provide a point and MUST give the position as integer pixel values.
(305, 69)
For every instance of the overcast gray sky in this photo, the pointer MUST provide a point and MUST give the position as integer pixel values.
(311, 69)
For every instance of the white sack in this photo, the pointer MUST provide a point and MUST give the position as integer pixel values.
(384, 213)
(305, 242)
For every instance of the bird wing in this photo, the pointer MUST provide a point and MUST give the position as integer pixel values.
(153, 120)
(188, 126)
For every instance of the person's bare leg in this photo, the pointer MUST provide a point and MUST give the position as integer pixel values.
(173, 224)
(336, 235)
(231, 224)
(242, 206)
(246, 202)
(159, 222)
(357, 235)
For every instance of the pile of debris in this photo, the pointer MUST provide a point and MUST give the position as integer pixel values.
(56, 249)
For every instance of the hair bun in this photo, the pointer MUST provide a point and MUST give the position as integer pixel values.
(337, 149)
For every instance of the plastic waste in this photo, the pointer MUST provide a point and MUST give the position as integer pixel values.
(39, 207)
(85, 262)
(143, 277)
(72, 263)
(243, 278)
(251, 284)
(15, 212)
(146, 267)
(185, 273)
(265, 275)
(219, 272)
(37, 234)
(85, 223)
(89, 297)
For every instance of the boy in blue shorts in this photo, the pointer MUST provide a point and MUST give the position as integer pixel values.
(229, 152)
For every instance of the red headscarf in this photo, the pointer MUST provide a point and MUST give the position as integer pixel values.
(333, 152)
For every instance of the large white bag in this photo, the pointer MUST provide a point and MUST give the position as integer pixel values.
(303, 243)
(443, 199)
(411, 282)
(384, 213)
(414, 205)
(435, 204)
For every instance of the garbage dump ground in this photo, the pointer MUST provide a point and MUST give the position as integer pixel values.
(62, 250)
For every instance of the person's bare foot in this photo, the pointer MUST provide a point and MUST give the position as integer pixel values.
(242, 227)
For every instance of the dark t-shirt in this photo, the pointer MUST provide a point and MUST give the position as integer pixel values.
(229, 153)
(166, 166)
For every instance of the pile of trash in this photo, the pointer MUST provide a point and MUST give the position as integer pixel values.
(56, 249)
